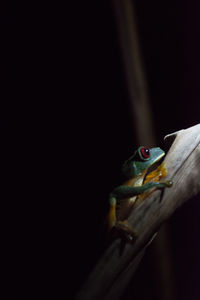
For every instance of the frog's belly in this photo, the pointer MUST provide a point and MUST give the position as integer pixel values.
(125, 207)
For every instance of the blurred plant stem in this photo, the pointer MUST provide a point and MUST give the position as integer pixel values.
(144, 128)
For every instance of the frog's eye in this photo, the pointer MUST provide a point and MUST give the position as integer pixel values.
(145, 152)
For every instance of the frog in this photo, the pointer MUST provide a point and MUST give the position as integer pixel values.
(138, 182)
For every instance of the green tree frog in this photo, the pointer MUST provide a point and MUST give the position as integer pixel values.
(124, 197)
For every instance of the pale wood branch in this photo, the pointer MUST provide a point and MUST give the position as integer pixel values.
(113, 271)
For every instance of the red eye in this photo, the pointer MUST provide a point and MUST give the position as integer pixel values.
(145, 152)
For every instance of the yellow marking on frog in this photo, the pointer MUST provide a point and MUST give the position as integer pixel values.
(112, 216)
(154, 176)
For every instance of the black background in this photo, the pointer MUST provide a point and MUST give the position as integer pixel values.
(66, 128)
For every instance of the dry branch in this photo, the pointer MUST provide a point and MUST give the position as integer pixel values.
(113, 271)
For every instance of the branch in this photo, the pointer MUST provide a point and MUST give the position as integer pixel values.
(113, 271)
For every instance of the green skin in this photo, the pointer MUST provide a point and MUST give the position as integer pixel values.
(134, 167)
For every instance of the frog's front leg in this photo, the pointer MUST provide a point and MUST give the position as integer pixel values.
(124, 191)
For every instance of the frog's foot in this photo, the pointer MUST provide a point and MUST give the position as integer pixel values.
(168, 183)
(123, 228)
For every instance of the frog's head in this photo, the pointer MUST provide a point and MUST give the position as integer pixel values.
(141, 160)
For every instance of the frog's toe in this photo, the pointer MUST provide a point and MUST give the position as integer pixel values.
(126, 231)
(169, 183)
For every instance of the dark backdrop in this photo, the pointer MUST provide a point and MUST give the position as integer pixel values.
(66, 128)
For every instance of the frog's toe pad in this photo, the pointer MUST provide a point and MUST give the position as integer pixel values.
(125, 231)
(169, 183)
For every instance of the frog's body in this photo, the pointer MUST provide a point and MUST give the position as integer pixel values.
(125, 206)
(124, 197)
